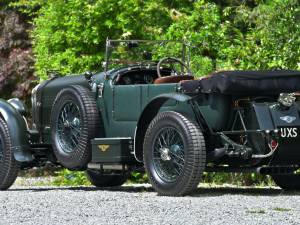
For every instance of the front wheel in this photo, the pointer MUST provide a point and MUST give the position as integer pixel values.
(174, 154)
(9, 167)
(289, 182)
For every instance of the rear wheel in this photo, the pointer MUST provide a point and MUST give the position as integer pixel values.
(99, 180)
(174, 154)
(9, 167)
(75, 120)
(290, 182)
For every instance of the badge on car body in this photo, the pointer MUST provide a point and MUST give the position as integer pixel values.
(103, 148)
(288, 119)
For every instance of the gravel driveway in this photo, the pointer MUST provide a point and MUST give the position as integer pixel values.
(141, 205)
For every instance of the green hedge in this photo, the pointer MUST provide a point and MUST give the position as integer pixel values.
(69, 36)
(259, 36)
(70, 178)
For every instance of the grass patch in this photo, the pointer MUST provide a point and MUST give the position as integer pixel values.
(70, 178)
(256, 211)
(64, 177)
(281, 209)
(239, 179)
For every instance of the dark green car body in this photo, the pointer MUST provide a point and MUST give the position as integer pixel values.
(124, 107)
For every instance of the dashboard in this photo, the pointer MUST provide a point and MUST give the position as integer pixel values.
(138, 77)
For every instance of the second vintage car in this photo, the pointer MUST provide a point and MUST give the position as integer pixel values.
(153, 114)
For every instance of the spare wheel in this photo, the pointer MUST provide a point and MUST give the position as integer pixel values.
(75, 120)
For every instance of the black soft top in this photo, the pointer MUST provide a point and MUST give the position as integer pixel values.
(246, 83)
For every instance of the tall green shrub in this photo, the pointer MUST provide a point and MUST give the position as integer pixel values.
(241, 36)
(69, 36)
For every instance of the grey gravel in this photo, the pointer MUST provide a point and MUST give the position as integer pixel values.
(139, 205)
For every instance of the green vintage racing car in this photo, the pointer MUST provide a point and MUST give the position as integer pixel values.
(147, 112)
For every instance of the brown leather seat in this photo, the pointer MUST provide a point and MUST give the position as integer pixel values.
(172, 79)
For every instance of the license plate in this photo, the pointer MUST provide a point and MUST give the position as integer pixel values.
(289, 132)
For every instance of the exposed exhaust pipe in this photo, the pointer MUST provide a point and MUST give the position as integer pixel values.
(216, 154)
(265, 170)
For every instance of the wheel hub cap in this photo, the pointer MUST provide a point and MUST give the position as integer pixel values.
(76, 122)
(164, 154)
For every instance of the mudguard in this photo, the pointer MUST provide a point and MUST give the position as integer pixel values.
(18, 131)
(148, 114)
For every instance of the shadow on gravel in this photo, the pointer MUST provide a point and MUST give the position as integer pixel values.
(217, 191)
(200, 192)
(113, 189)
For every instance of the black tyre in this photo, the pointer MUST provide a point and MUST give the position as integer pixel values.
(174, 154)
(9, 167)
(75, 120)
(289, 182)
(99, 180)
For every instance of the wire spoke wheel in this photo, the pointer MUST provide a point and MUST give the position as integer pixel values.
(75, 120)
(69, 127)
(168, 154)
(174, 154)
(9, 167)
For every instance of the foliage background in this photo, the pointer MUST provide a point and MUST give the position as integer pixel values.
(69, 36)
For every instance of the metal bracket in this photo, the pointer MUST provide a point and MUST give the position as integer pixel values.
(100, 90)
(200, 118)
(235, 150)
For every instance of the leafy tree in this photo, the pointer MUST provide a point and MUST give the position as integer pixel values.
(69, 36)
(244, 36)
(276, 37)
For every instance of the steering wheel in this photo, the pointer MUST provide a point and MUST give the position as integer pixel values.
(170, 60)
